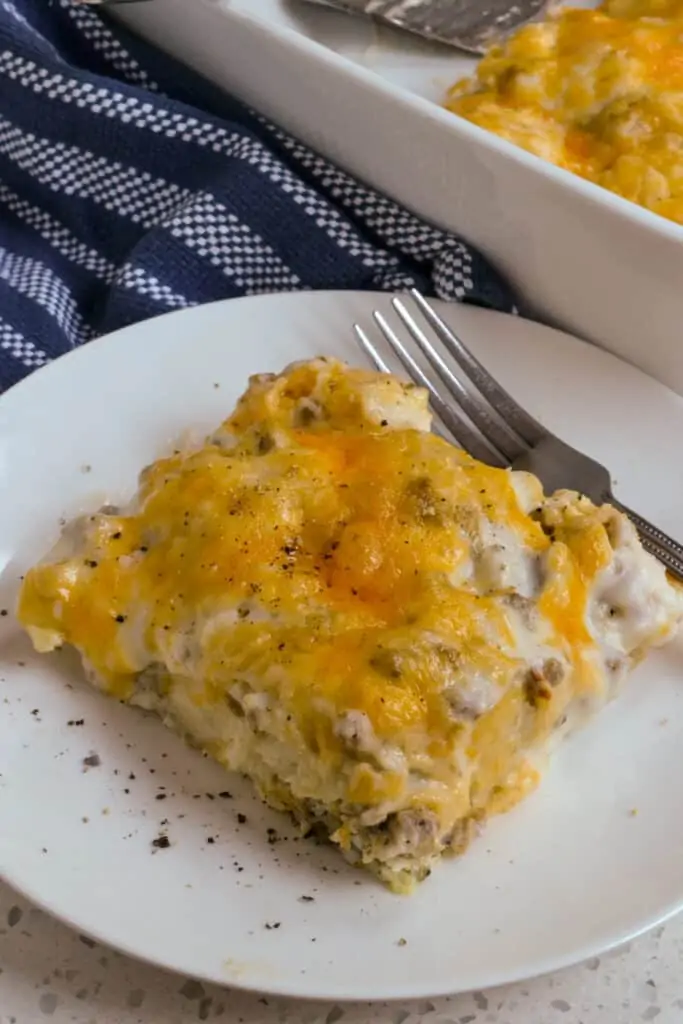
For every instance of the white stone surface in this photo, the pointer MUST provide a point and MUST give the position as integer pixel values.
(49, 973)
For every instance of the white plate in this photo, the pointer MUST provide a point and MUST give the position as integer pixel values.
(564, 876)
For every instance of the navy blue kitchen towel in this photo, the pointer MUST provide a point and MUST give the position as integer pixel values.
(129, 186)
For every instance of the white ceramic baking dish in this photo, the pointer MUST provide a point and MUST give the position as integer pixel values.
(587, 260)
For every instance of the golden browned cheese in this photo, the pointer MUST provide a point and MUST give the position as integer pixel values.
(598, 92)
(355, 527)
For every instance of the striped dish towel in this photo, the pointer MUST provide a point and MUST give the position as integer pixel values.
(129, 187)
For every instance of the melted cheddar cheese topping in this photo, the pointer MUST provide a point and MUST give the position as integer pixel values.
(379, 630)
(598, 92)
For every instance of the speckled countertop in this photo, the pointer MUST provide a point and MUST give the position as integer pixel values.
(47, 971)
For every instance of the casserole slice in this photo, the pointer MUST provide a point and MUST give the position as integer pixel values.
(383, 634)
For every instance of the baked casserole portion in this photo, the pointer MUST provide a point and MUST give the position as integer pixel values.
(385, 635)
(598, 92)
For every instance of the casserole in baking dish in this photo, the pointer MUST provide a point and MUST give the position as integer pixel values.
(598, 92)
(582, 257)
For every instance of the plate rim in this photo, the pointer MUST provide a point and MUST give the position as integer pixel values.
(83, 351)
(265, 987)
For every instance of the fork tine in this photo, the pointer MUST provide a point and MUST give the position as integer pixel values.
(517, 419)
(375, 358)
(370, 350)
(496, 432)
(456, 426)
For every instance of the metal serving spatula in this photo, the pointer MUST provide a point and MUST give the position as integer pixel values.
(471, 25)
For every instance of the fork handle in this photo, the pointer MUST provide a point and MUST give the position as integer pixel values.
(668, 551)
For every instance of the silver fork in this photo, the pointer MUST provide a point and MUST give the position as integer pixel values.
(497, 430)
(471, 25)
